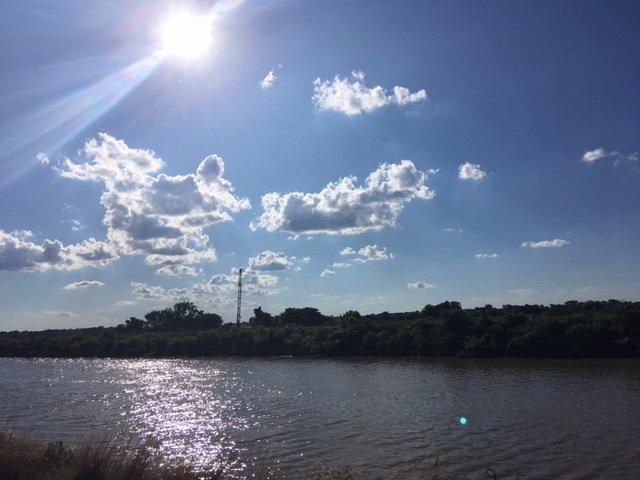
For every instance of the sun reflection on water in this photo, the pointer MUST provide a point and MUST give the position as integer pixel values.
(185, 412)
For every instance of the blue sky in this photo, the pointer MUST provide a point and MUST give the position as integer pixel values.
(494, 146)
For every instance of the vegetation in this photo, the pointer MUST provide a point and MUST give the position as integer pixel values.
(573, 329)
(22, 457)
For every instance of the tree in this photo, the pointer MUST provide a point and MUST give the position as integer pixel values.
(135, 324)
(262, 318)
(307, 316)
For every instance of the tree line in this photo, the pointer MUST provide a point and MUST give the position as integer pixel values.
(572, 329)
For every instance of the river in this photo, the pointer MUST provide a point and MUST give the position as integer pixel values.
(551, 419)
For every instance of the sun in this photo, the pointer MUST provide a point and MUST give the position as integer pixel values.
(186, 35)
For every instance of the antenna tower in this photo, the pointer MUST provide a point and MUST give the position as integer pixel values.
(238, 310)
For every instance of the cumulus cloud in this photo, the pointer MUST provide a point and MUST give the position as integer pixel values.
(344, 207)
(420, 286)
(591, 156)
(354, 97)
(326, 273)
(347, 251)
(486, 255)
(83, 284)
(156, 215)
(19, 252)
(555, 243)
(269, 260)
(471, 171)
(268, 80)
(374, 253)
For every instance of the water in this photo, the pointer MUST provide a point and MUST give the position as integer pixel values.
(533, 418)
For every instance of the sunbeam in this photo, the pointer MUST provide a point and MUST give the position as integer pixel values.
(53, 125)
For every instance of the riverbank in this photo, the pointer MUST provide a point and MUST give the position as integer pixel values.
(24, 457)
(571, 330)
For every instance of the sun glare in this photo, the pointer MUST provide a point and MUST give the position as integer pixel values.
(186, 35)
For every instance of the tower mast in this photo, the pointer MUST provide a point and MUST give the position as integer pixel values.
(238, 310)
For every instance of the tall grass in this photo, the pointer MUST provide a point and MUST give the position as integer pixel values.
(24, 457)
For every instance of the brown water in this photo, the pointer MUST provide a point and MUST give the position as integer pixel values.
(550, 419)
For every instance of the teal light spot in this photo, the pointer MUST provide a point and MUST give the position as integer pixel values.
(463, 420)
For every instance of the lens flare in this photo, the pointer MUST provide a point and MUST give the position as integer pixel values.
(186, 35)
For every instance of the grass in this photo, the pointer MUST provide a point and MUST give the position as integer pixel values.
(24, 457)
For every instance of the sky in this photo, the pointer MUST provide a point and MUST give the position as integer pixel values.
(369, 155)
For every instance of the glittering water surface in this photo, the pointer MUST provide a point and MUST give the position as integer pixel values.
(539, 419)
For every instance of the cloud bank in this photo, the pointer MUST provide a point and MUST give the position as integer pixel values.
(19, 252)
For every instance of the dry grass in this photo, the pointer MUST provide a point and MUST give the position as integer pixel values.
(23, 457)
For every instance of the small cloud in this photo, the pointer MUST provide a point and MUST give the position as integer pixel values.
(59, 313)
(341, 265)
(452, 230)
(83, 284)
(77, 225)
(486, 255)
(355, 98)
(591, 156)
(374, 253)
(420, 286)
(179, 270)
(42, 158)
(347, 251)
(327, 273)
(268, 80)
(269, 260)
(555, 243)
(471, 171)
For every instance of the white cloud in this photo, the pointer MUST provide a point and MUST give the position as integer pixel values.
(344, 207)
(452, 230)
(161, 217)
(591, 156)
(42, 158)
(347, 251)
(269, 260)
(355, 98)
(178, 270)
(18, 252)
(219, 291)
(77, 225)
(420, 286)
(555, 243)
(471, 171)
(83, 284)
(59, 313)
(486, 255)
(327, 273)
(268, 80)
(373, 253)
(341, 265)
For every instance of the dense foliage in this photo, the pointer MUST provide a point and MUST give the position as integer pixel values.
(573, 329)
